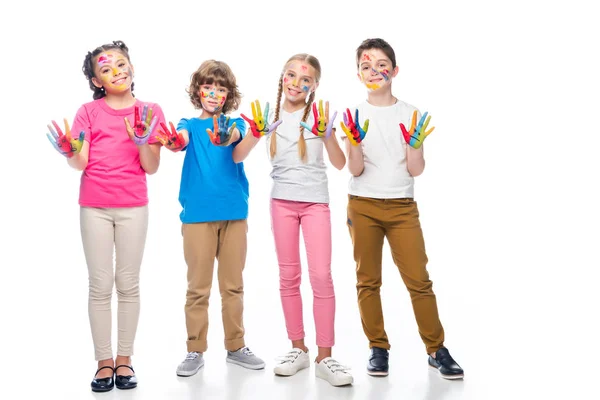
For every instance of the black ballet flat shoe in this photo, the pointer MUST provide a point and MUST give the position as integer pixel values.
(126, 381)
(103, 384)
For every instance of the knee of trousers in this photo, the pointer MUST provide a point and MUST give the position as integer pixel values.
(127, 287)
(418, 288)
(322, 284)
(289, 282)
(101, 289)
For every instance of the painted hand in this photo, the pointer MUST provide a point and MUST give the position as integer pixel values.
(352, 129)
(222, 131)
(63, 142)
(142, 128)
(323, 125)
(172, 140)
(258, 124)
(417, 133)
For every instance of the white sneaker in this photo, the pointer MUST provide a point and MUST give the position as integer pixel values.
(292, 362)
(333, 372)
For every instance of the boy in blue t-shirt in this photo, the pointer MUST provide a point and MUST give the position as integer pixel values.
(214, 197)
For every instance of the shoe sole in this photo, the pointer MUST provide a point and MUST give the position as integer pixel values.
(350, 382)
(291, 373)
(377, 373)
(449, 377)
(248, 366)
(102, 390)
(125, 387)
(186, 374)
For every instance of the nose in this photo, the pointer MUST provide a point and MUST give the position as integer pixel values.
(374, 72)
(115, 71)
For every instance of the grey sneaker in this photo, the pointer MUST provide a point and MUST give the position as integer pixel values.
(245, 358)
(192, 363)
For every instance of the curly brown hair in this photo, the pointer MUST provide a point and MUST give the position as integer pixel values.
(218, 73)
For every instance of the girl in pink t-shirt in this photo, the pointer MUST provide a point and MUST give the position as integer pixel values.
(115, 147)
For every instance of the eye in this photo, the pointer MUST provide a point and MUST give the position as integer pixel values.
(121, 65)
(306, 80)
(366, 67)
(291, 75)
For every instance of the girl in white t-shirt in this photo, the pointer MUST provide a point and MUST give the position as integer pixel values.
(300, 198)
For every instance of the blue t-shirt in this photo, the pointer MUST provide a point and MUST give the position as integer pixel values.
(213, 187)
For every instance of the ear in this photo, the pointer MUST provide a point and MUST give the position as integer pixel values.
(132, 70)
(396, 70)
(316, 86)
(96, 82)
(359, 76)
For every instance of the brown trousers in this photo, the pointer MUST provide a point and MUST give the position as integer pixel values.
(369, 221)
(202, 243)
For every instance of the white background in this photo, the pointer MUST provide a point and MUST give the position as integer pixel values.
(508, 200)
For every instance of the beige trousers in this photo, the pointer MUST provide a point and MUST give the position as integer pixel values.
(104, 232)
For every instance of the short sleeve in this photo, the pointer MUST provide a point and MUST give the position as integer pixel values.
(183, 125)
(240, 124)
(82, 123)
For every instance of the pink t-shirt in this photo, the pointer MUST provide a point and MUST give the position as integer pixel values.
(114, 176)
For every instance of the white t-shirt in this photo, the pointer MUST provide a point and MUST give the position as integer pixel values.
(294, 179)
(386, 174)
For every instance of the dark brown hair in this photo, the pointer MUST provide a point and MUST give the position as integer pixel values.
(380, 44)
(215, 72)
(90, 59)
(313, 62)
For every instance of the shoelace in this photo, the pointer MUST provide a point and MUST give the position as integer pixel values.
(247, 352)
(335, 366)
(289, 357)
(191, 356)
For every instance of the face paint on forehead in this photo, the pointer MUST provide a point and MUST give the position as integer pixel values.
(304, 68)
(366, 57)
(104, 58)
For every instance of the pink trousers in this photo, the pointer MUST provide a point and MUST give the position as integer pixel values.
(286, 219)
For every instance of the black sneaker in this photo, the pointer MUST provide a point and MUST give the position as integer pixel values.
(445, 364)
(378, 362)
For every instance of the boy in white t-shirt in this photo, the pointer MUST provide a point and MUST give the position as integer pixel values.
(384, 156)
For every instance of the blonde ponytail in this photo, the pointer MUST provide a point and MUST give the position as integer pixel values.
(273, 144)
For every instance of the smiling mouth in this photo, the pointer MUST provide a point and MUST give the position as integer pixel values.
(294, 92)
(119, 81)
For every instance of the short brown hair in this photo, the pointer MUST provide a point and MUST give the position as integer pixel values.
(380, 44)
(218, 73)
